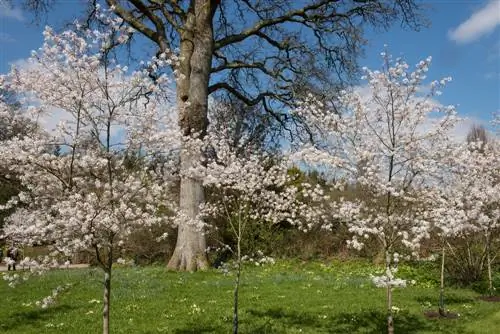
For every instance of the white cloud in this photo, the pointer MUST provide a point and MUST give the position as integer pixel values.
(8, 11)
(481, 22)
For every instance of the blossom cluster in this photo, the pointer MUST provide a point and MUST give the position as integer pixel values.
(255, 186)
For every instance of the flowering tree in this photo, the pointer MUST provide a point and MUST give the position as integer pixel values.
(252, 188)
(449, 220)
(474, 194)
(383, 138)
(80, 190)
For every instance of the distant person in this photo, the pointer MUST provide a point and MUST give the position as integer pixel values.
(12, 254)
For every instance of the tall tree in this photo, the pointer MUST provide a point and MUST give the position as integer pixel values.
(261, 52)
(390, 134)
(477, 134)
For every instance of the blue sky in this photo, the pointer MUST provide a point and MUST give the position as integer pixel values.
(463, 39)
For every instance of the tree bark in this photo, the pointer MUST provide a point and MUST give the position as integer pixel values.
(192, 97)
(237, 288)
(106, 301)
(239, 236)
(488, 261)
(390, 318)
(442, 311)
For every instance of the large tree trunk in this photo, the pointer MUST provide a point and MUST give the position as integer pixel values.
(192, 98)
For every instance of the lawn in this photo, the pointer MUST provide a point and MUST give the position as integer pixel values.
(288, 297)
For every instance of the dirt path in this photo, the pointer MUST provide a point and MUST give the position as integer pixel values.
(71, 266)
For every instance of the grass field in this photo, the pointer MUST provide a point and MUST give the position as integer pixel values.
(288, 297)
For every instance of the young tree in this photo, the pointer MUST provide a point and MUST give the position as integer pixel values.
(253, 188)
(447, 215)
(88, 197)
(466, 204)
(220, 44)
(476, 192)
(385, 138)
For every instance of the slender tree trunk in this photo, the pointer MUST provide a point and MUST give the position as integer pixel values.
(192, 98)
(106, 301)
(442, 311)
(390, 317)
(488, 262)
(236, 288)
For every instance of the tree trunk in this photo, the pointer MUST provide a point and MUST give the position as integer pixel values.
(237, 287)
(239, 236)
(390, 318)
(488, 263)
(192, 98)
(442, 311)
(106, 301)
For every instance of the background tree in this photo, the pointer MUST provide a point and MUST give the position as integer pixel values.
(248, 129)
(12, 124)
(471, 189)
(446, 212)
(481, 201)
(264, 53)
(477, 136)
(467, 207)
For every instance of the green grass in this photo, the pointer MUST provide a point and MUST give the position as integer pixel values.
(288, 297)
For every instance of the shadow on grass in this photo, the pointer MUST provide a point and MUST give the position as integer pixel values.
(197, 328)
(32, 317)
(373, 322)
(449, 299)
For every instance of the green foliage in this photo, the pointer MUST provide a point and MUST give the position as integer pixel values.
(465, 263)
(482, 285)
(425, 273)
(8, 188)
(144, 246)
(289, 297)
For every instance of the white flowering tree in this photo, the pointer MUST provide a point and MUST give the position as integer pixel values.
(471, 199)
(252, 188)
(383, 138)
(446, 210)
(81, 190)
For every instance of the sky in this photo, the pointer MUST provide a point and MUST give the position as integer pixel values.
(463, 39)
